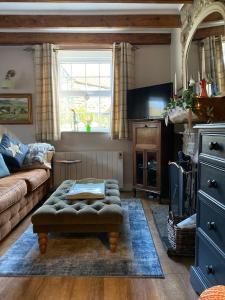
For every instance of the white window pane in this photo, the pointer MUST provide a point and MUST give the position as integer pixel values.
(92, 83)
(66, 70)
(105, 70)
(78, 70)
(105, 83)
(83, 81)
(105, 105)
(92, 70)
(93, 105)
(79, 84)
(104, 121)
(65, 84)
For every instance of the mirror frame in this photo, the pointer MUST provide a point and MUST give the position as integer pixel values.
(194, 23)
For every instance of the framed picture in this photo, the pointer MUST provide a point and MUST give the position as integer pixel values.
(15, 109)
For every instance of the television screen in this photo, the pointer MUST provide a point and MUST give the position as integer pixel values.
(148, 102)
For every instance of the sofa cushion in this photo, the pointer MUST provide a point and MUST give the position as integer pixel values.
(34, 178)
(11, 191)
(4, 171)
(13, 152)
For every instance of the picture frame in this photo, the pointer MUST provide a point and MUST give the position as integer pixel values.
(16, 109)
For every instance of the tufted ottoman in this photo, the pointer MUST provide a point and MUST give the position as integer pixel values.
(59, 214)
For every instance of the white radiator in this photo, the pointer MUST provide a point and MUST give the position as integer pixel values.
(94, 164)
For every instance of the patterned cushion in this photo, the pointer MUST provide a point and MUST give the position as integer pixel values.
(33, 178)
(13, 152)
(11, 191)
(4, 171)
(39, 155)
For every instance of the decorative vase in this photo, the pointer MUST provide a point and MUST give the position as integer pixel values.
(88, 128)
(203, 88)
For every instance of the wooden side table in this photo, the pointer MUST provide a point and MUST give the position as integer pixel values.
(68, 164)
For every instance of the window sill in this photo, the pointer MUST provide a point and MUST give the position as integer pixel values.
(84, 132)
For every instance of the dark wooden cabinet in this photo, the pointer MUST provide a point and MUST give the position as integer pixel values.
(152, 150)
(209, 268)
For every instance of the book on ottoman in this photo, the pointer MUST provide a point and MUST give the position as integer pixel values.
(88, 188)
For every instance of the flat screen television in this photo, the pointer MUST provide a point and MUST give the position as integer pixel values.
(148, 102)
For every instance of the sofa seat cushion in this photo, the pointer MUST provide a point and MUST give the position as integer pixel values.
(33, 178)
(11, 191)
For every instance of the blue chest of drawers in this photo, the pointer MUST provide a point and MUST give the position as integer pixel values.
(209, 268)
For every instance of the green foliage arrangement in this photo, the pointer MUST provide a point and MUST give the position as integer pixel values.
(186, 101)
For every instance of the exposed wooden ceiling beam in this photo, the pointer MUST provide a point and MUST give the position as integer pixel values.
(105, 1)
(102, 21)
(84, 38)
(202, 33)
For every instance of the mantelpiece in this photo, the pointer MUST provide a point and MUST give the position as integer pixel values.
(210, 109)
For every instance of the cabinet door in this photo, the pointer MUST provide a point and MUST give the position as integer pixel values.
(139, 167)
(152, 170)
(147, 135)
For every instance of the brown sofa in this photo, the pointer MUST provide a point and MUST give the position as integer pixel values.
(19, 193)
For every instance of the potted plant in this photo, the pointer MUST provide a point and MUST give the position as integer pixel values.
(181, 109)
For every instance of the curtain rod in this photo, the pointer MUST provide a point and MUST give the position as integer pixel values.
(81, 47)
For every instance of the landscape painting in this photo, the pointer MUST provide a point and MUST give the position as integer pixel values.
(15, 108)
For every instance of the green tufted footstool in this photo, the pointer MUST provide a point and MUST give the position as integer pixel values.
(59, 214)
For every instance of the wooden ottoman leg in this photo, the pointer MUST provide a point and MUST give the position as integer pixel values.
(42, 240)
(113, 240)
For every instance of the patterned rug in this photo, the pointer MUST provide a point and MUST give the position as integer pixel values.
(88, 254)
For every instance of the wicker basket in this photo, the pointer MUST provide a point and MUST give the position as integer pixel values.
(182, 241)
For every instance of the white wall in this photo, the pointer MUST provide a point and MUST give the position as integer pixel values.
(152, 66)
(22, 62)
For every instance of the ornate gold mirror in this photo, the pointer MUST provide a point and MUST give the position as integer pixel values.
(206, 57)
(204, 18)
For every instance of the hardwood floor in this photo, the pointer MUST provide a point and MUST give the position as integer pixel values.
(175, 286)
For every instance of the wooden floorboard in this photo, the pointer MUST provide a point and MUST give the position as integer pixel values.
(175, 286)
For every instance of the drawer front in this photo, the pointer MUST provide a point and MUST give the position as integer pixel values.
(212, 181)
(210, 261)
(213, 144)
(211, 220)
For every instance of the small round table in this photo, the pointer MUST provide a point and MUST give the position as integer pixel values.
(68, 164)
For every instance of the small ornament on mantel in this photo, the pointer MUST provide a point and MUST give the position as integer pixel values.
(203, 88)
(175, 86)
(192, 82)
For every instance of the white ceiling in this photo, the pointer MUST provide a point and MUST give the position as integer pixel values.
(87, 8)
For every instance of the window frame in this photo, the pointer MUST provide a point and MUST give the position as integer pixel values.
(98, 93)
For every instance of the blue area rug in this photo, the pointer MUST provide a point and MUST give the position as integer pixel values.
(88, 254)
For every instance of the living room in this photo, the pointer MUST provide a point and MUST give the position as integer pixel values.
(109, 112)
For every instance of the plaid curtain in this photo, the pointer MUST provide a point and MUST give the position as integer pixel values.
(46, 76)
(123, 79)
(214, 61)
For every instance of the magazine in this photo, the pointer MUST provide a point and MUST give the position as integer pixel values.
(87, 189)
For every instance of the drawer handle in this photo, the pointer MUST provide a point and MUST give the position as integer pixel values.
(210, 269)
(211, 225)
(214, 146)
(212, 183)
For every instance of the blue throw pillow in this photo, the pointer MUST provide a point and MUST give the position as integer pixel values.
(13, 152)
(4, 171)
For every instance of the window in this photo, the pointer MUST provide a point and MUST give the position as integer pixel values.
(85, 90)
